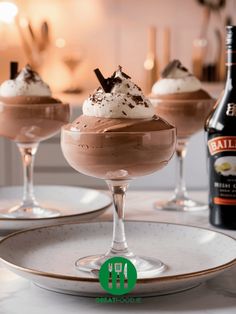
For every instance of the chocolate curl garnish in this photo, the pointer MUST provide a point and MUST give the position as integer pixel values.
(123, 73)
(175, 64)
(13, 69)
(106, 87)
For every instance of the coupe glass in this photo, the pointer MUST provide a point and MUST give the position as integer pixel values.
(27, 125)
(188, 116)
(118, 157)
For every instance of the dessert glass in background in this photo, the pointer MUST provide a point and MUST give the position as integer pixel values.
(29, 115)
(117, 139)
(179, 98)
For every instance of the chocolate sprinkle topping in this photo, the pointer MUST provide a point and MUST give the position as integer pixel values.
(124, 113)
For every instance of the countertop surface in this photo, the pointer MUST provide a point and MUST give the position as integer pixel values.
(19, 296)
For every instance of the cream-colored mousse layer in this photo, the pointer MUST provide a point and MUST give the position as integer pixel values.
(102, 125)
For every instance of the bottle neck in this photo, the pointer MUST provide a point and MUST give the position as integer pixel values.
(231, 69)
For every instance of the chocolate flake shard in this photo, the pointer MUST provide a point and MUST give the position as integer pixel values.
(13, 69)
(117, 80)
(137, 98)
(175, 64)
(102, 80)
(124, 113)
(30, 75)
(124, 74)
(131, 106)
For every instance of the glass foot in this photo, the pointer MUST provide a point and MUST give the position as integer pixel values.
(29, 212)
(146, 266)
(185, 204)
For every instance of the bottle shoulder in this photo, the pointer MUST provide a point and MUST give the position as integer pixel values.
(223, 117)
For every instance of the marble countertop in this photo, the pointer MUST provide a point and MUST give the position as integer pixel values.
(19, 296)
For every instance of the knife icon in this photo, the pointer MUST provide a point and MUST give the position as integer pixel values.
(126, 276)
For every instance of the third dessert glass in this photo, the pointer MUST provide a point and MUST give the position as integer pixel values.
(118, 138)
(29, 115)
(179, 98)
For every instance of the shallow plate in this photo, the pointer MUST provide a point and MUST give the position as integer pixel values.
(74, 203)
(193, 255)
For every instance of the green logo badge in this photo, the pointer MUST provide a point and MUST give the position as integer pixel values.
(118, 275)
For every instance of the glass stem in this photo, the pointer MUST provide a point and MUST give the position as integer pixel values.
(28, 152)
(119, 245)
(181, 150)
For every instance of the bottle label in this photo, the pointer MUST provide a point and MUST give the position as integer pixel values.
(222, 167)
(222, 144)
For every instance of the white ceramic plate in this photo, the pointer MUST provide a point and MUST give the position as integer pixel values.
(75, 204)
(47, 255)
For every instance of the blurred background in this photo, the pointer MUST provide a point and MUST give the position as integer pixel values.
(66, 39)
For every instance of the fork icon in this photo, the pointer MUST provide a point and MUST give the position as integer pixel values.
(118, 270)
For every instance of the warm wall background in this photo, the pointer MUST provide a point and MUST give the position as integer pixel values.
(108, 32)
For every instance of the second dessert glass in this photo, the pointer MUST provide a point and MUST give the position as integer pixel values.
(188, 116)
(117, 158)
(27, 125)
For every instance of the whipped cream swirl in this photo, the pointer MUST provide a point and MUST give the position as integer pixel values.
(27, 83)
(125, 100)
(176, 79)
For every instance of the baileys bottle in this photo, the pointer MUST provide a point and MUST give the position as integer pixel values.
(221, 141)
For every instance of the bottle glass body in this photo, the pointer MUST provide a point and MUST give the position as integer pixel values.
(221, 133)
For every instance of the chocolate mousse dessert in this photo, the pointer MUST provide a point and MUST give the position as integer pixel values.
(117, 138)
(29, 113)
(179, 98)
(118, 135)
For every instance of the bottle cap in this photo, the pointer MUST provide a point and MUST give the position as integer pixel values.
(231, 37)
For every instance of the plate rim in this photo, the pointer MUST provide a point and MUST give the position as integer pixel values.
(96, 280)
(61, 216)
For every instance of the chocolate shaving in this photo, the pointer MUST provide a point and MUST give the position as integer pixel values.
(124, 74)
(13, 69)
(124, 113)
(117, 80)
(175, 64)
(137, 98)
(108, 83)
(30, 74)
(131, 106)
(102, 81)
